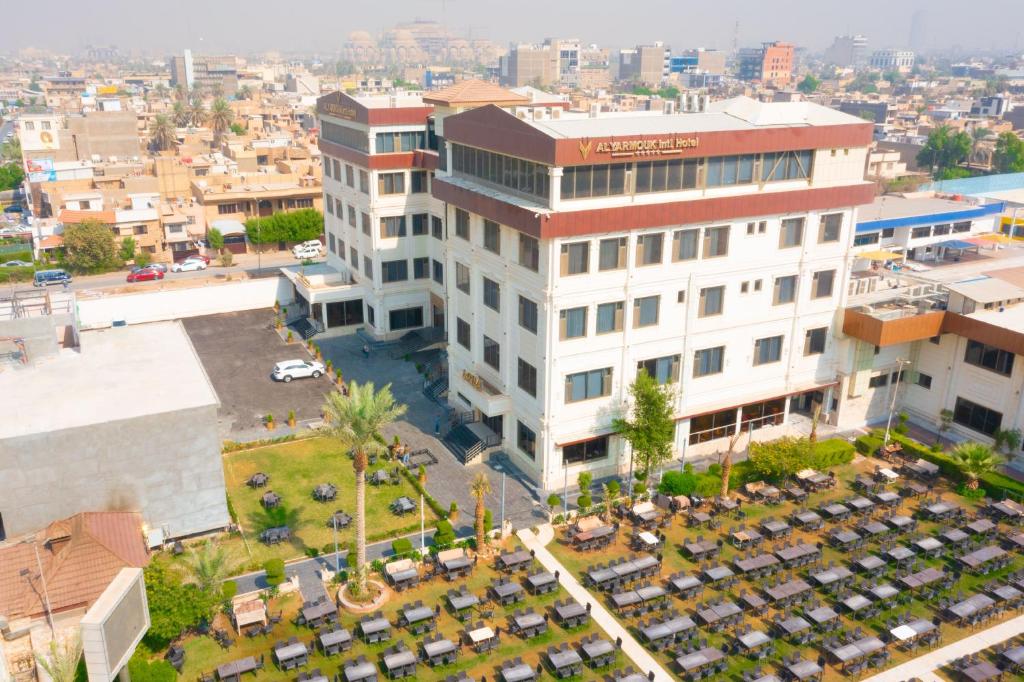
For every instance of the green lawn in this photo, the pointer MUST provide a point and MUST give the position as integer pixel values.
(294, 469)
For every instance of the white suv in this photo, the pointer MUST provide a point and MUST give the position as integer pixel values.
(310, 249)
(297, 369)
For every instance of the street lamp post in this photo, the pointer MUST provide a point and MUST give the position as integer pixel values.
(337, 557)
(892, 402)
(42, 579)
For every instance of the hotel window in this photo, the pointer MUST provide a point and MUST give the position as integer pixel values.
(767, 350)
(648, 249)
(492, 294)
(729, 170)
(526, 439)
(716, 241)
(792, 233)
(365, 219)
(436, 227)
(438, 271)
(462, 224)
(492, 236)
(492, 352)
(368, 266)
(666, 176)
(611, 254)
(400, 142)
(419, 182)
(707, 427)
(364, 182)
(962, 227)
(923, 380)
(345, 136)
(227, 208)
(976, 417)
(354, 256)
(865, 239)
(597, 383)
(580, 182)
(350, 179)
(760, 227)
(371, 316)
(331, 243)
(888, 232)
(393, 226)
(529, 252)
(352, 216)
(708, 361)
(830, 227)
(572, 323)
(527, 314)
(341, 249)
(684, 244)
(711, 301)
(575, 259)
(329, 203)
(419, 224)
(405, 318)
(462, 278)
(941, 229)
(814, 341)
(517, 175)
(586, 451)
(878, 381)
(663, 370)
(527, 377)
(421, 268)
(989, 357)
(336, 166)
(921, 232)
(391, 183)
(821, 285)
(609, 317)
(784, 290)
(645, 311)
(462, 332)
(786, 166)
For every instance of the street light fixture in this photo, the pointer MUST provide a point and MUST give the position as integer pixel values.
(892, 403)
(25, 573)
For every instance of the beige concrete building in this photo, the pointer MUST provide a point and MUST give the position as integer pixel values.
(648, 64)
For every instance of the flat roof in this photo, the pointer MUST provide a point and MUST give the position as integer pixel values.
(987, 289)
(1010, 318)
(119, 373)
(390, 101)
(893, 210)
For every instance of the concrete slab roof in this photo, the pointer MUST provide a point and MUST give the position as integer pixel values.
(987, 290)
(119, 373)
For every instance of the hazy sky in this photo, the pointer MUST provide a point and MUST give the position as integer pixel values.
(321, 25)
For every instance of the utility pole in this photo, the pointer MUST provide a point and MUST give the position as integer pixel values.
(892, 402)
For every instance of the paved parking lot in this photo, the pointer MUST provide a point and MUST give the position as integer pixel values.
(238, 351)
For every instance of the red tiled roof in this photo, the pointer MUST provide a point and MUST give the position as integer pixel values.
(80, 556)
(474, 91)
(71, 216)
(54, 241)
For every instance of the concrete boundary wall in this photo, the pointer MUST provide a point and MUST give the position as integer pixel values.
(155, 304)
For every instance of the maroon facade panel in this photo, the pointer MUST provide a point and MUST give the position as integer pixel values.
(493, 128)
(395, 161)
(516, 217)
(340, 105)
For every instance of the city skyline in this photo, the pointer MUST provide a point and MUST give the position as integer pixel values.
(216, 27)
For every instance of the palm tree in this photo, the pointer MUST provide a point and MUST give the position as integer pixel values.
(978, 134)
(197, 112)
(220, 119)
(162, 133)
(480, 488)
(606, 493)
(61, 661)
(161, 91)
(208, 567)
(244, 92)
(727, 463)
(181, 114)
(975, 459)
(355, 421)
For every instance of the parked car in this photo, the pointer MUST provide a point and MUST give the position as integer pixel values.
(188, 265)
(44, 278)
(199, 256)
(145, 275)
(297, 369)
(160, 267)
(304, 252)
(16, 264)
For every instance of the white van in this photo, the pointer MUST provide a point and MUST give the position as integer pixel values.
(310, 249)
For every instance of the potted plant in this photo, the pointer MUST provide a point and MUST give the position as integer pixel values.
(277, 306)
(309, 344)
(339, 378)
(422, 475)
(291, 419)
(319, 354)
(329, 366)
(289, 338)
(277, 322)
(269, 421)
(453, 512)
(395, 444)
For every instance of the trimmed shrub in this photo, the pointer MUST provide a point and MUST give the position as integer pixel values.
(401, 546)
(228, 590)
(445, 534)
(275, 571)
(584, 501)
(678, 482)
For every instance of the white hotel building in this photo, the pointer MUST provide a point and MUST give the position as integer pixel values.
(711, 248)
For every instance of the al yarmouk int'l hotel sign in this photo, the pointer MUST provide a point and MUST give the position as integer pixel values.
(639, 147)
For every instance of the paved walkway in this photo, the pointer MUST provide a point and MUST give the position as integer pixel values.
(636, 653)
(923, 666)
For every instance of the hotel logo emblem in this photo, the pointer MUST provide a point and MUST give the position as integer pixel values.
(585, 148)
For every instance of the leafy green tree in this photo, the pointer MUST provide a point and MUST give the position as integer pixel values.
(1007, 440)
(174, 607)
(642, 90)
(1009, 154)
(809, 84)
(11, 176)
(220, 118)
(668, 92)
(215, 238)
(355, 421)
(208, 566)
(196, 111)
(293, 226)
(127, 249)
(944, 149)
(651, 430)
(162, 133)
(180, 114)
(11, 150)
(678, 482)
(237, 128)
(61, 660)
(89, 246)
(779, 459)
(244, 92)
(975, 460)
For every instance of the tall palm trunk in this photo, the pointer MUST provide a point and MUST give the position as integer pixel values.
(726, 472)
(359, 464)
(479, 524)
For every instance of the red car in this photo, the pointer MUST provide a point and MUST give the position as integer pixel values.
(145, 275)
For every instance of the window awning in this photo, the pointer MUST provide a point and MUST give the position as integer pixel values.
(880, 255)
(993, 238)
(956, 244)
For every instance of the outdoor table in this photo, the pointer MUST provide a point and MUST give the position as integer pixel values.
(753, 601)
(235, 669)
(598, 652)
(626, 599)
(912, 630)
(339, 519)
(457, 564)
(787, 590)
(482, 639)
(699, 659)
(794, 493)
(1008, 508)
(507, 593)
(926, 468)
(651, 592)
(940, 510)
(400, 578)
(929, 545)
(757, 563)
(914, 489)
(315, 613)
(335, 641)
(855, 602)
(698, 518)
(804, 669)
(566, 662)
(646, 565)
(460, 601)
(768, 677)
(869, 563)
(440, 652)
(258, 480)
(900, 522)
(899, 553)
(717, 573)
(887, 498)
(749, 536)
(325, 492)
(774, 528)
(1014, 656)
(796, 553)
(873, 528)
(359, 670)
(1015, 539)
(1006, 593)
(291, 652)
(922, 578)
(822, 615)
(982, 672)
(685, 584)
(726, 503)
(378, 477)
(832, 575)
(844, 536)
(571, 614)
(769, 492)
(272, 536)
(887, 474)
(954, 536)
(270, 499)
(980, 527)
(514, 560)
(649, 539)
(982, 556)
(521, 672)
(715, 613)
(542, 583)
(701, 549)
(413, 614)
(793, 625)
(375, 629)
(401, 663)
(883, 592)
(753, 640)
(860, 504)
(403, 505)
(808, 519)
(600, 577)
(667, 628)
(530, 623)
(589, 536)
(970, 606)
(835, 511)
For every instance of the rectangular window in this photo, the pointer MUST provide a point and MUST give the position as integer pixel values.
(976, 417)
(784, 290)
(405, 318)
(962, 227)
(227, 208)
(609, 317)
(888, 232)
(436, 227)
(365, 220)
(527, 377)
(793, 165)
(418, 180)
(814, 341)
(923, 380)
(708, 361)
(515, 175)
(352, 216)
(391, 183)
(707, 427)
(327, 168)
(648, 249)
(438, 271)
(371, 316)
(354, 257)
(989, 357)
(462, 224)
(767, 350)
(586, 451)
(462, 333)
(716, 241)
(572, 323)
(368, 266)
(612, 254)
(821, 286)
(878, 381)
(921, 232)
(419, 224)
(865, 239)
(529, 252)
(394, 271)
(684, 244)
(492, 352)
(492, 236)
(492, 294)
(462, 278)
(645, 311)
(329, 203)
(526, 439)
(364, 182)
(338, 209)
(575, 259)
(421, 268)
(791, 233)
(664, 370)
(830, 227)
(331, 244)
(350, 176)
(393, 226)
(712, 301)
(941, 229)
(527, 314)
(337, 168)
(597, 383)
